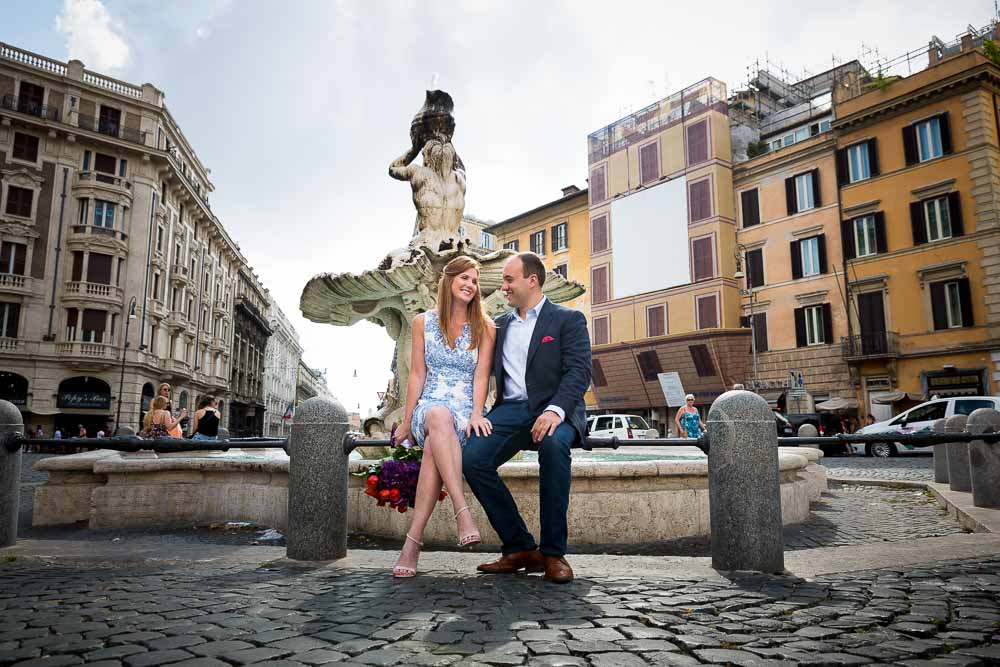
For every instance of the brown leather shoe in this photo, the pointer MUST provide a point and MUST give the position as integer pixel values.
(530, 561)
(557, 570)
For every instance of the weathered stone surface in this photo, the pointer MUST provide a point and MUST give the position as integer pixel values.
(744, 486)
(317, 482)
(958, 456)
(984, 459)
(10, 474)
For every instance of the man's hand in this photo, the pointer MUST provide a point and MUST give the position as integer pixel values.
(546, 424)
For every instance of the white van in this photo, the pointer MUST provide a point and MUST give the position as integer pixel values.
(920, 418)
(624, 426)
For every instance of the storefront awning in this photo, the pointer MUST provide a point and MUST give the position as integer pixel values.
(837, 404)
(895, 397)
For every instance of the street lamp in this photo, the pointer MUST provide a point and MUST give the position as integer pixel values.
(740, 252)
(121, 382)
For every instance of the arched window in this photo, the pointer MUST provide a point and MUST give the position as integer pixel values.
(14, 388)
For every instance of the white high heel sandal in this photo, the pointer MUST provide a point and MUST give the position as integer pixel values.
(471, 538)
(405, 572)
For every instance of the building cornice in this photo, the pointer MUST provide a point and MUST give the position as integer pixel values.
(751, 170)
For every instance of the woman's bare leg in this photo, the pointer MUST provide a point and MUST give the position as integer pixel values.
(440, 426)
(428, 490)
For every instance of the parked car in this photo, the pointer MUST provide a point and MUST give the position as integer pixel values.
(624, 426)
(920, 418)
(826, 424)
(785, 428)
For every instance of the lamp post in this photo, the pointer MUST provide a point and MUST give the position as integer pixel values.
(740, 252)
(121, 381)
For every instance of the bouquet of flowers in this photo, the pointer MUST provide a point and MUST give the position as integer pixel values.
(392, 482)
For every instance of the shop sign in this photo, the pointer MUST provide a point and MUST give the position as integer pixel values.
(90, 400)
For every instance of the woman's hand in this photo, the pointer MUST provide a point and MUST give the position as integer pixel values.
(479, 425)
(402, 434)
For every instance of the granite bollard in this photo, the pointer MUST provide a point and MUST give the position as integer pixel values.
(807, 431)
(743, 485)
(984, 459)
(940, 454)
(317, 481)
(10, 474)
(958, 456)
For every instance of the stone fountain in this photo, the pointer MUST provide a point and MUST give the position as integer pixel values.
(405, 282)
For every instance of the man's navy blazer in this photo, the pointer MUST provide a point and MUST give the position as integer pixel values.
(558, 370)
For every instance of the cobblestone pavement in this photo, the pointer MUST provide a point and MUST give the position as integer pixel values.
(918, 467)
(945, 614)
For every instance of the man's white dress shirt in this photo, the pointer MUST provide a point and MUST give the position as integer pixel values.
(516, 342)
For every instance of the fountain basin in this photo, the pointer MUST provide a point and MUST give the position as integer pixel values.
(623, 502)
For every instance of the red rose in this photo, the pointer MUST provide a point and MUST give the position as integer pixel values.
(371, 492)
(372, 480)
(444, 494)
(384, 494)
(394, 495)
(402, 509)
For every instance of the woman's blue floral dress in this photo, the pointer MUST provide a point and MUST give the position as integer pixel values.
(691, 422)
(450, 374)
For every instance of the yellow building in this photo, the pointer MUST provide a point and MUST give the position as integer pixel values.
(662, 228)
(918, 162)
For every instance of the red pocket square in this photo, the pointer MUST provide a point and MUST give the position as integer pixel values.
(547, 339)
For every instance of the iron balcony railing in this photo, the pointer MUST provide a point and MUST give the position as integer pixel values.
(877, 345)
(31, 107)
(111, 128)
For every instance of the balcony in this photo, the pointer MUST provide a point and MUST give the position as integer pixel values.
(156, 308)
(111, 128)
(177, 368)
(102, 181)
(88, 355)
(13, 282)
(92, 292)
(79, 231)
(11, 345)
(878, 345)
(179, 274)
(31, 107)
(176, 321)
(219, 305)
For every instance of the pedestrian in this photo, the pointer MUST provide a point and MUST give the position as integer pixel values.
(205, 425)
(39, 431)
(58, 434)
(81, 431)
(869, 420)
(100, 433)
(738, 387)
(163, 391)
(688, 419)
(159, 423)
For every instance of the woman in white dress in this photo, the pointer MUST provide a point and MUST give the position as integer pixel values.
(449, 377)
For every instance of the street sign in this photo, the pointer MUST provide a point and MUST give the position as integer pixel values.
(672, 388)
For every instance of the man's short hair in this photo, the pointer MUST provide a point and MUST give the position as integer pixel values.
(532, 265)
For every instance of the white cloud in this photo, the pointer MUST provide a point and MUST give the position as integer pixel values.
(90, 35)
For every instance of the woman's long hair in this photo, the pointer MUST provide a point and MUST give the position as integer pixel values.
(478, 319)
(158, 403)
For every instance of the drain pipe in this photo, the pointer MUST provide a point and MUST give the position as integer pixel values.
(149, 259)
(49, 336)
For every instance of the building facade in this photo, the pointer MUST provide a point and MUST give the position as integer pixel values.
(920, 186)
(311, 382)
(106, 237)
(281, 366)
(251, 332)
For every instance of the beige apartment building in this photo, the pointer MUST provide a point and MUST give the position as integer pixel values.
(107, 237)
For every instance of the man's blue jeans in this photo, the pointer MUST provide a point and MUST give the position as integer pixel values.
(512, 422)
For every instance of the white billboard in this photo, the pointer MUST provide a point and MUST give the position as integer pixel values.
(649, 239)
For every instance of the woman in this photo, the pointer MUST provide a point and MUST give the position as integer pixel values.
(159, 423)
(205, 425)
(449, 376)
(688, 421)
(164, 391)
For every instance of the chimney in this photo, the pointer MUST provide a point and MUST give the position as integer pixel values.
(570, 190)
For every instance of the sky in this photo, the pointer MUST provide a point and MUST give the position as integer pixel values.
(299, 106)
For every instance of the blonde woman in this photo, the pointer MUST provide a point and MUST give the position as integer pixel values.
(159, 422)
(452, 356)
(164, 391)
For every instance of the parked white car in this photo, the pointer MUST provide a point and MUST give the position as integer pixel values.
(920, 418)
(624, 426)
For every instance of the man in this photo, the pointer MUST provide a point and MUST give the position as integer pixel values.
(542, 370)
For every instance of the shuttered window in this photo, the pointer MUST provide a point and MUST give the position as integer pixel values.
(755, 268)
(750, 207)
(708, 315)
(538, 242)
(19, 201)
(92, 325)
(99, 269)
(697, 142)
(649, 365)
(599, 234)
(25, 147)
(597, 374)
(702, 359)
(649, 163)
(656, 321)
(10, 315)
(813, 325)
(12, 256)
(700, 200)
(598, 184)
(560, 237)
(599, 283)
(951, 304)
(703, 257)
(602, 330)
(511, 245)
